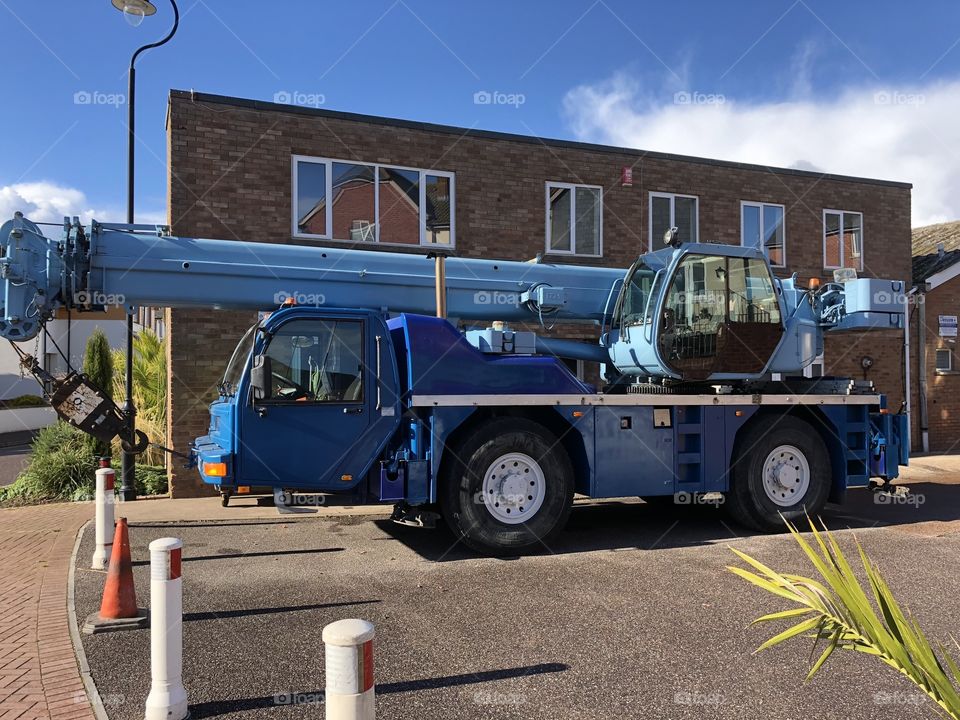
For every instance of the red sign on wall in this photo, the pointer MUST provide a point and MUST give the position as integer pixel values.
(626, 176)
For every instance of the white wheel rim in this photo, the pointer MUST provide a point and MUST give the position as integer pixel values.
(786, 475)
(513, 488)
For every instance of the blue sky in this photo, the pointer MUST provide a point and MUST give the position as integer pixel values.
(869, 88)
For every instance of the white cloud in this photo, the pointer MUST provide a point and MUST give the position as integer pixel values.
(48, 202)
(910, 134)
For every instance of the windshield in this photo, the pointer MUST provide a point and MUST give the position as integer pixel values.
(234, 371)
(636, 292)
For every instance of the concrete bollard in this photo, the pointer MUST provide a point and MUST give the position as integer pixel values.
(168, 698)
(104, 501)
(349, 667)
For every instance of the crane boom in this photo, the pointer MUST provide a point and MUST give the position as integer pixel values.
(144, 265)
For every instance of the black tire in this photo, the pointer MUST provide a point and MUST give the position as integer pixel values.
(748, 501)
(461, 496)
(224, 499)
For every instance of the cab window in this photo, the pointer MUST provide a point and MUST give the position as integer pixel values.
(636, 292)
(317, 361)
(720, 315)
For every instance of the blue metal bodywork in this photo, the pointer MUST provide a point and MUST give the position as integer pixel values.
(624, 446)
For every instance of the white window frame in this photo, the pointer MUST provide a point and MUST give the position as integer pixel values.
(573, 225)
(949, 352)
(863, 240)
(759, 204)
(328, 220)
(673, 212)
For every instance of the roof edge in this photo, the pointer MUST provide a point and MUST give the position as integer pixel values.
(266, 106)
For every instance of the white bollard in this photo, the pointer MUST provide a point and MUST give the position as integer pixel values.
(168, 698)
(104, 500)
(349, 666)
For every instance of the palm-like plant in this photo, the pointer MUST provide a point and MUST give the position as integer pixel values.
(840, 612)
(149, 388)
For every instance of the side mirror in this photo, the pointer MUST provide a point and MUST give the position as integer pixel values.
(261, 378)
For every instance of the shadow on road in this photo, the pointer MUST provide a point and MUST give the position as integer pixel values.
(247, 612)
(315, 697)
(228, 553)
(643, 526)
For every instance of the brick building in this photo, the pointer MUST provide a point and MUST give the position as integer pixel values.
(241, 169)
(935, 371)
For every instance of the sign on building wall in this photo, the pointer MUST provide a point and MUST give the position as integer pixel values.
(948, 326)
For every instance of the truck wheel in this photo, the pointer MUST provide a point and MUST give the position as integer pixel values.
(509, 487)
(781, 469)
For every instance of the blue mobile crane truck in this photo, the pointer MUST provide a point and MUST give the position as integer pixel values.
(358, 381)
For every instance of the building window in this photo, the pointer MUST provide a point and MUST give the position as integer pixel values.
(669, 210)
(574, 219)
(762, 226)
(944, 360)
(369, 202)
(842, 239)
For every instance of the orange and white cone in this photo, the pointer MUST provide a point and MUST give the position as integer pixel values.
(118, 608)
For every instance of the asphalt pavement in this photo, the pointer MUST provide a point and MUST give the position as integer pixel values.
(12, 461)
(630, 614)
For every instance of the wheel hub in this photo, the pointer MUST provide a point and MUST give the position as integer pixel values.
(513, 488)
(786, 475)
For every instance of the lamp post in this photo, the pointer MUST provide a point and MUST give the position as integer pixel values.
(134, 11)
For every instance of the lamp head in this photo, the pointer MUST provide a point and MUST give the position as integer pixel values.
(134, 11)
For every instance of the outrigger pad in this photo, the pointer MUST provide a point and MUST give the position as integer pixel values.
(87, 408)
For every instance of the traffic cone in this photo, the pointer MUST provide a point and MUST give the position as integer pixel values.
(118, 608)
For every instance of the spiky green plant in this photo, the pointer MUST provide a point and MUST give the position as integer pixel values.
(149, 390)
(840, 611)
(98, 366)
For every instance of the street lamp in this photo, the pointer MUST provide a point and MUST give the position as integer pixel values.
(134, 11)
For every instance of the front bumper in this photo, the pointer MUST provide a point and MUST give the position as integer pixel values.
(205, 451)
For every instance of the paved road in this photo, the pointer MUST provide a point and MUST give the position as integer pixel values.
(12, 461)
(631, 614)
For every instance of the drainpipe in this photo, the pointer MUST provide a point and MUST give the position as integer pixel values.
(907, 405)
(922, 373)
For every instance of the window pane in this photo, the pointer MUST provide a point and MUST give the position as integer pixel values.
(560, 199)
(750, 224)
(831, 246)
(635, 296)
(660, 213)
(852, 240)
(317, 360)
(944, 359)
(587, 209)
(438, 210)
(685, 218)
(773, 233)
(353, 202)
(752, 297)
(311, 198)
(399, 206)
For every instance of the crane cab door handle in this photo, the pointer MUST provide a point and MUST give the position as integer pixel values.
(352, 410)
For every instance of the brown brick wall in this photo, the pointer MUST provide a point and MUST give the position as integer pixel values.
(230, 177)
(943, 390)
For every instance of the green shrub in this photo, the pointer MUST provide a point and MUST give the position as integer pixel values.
(23, 401)
(151, 480)
(62, 466)
(98, 366)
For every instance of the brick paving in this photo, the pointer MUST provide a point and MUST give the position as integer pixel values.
(39, 677)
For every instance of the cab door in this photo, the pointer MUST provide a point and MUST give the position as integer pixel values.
(320, 422)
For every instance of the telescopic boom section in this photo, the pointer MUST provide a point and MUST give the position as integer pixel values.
(135, 265)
